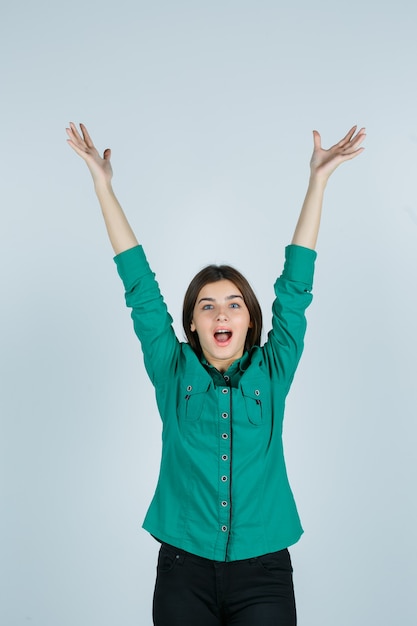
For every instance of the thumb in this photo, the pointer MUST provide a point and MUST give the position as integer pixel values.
(317, 140)
(107, 154)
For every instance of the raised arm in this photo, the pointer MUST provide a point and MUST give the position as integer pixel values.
(322, 165)
(120, 233)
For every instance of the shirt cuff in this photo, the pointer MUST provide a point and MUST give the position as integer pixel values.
(299, 264)
(132, 263)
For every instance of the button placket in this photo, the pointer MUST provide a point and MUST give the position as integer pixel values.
(224, 458)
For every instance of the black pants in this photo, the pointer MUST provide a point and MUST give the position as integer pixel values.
(192, 591)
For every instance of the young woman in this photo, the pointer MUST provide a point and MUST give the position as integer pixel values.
(223, 509)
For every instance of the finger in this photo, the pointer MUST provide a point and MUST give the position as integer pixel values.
(75, 132)
(79, 150)
(317, 140)
(346, 156)
(107, 154)
(350, 133)
(73, 139)
(360, 133)
(355, 142)
(86, 136)
(346, 138)
(350, 141)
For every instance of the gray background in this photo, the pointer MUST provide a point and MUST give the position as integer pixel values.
(208, 108)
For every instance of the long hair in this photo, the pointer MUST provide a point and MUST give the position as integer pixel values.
(212, 274)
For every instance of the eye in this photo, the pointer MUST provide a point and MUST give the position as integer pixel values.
(235, 305)
(207, 307)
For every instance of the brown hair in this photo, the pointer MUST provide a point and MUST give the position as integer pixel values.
(212, 274)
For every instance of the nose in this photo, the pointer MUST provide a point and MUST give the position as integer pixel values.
(222, 314)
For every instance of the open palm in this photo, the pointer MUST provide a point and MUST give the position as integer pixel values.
(324, 162)
(100, 167)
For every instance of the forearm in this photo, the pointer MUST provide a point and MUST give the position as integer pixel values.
(322, 165)
(307, 228)
(119, 230)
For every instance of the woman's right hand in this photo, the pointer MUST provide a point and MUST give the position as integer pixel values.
(99, 167)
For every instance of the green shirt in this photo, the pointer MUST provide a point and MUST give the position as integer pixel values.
(223, 491)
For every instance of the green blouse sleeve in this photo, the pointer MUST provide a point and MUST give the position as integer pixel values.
(151, 320)
(293, 295)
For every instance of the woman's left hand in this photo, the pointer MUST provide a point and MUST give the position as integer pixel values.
(324, 162)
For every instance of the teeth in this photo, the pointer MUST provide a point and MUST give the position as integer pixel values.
(218, 332)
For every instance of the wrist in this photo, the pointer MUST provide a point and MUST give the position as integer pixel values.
(317, 181)
(103, 187)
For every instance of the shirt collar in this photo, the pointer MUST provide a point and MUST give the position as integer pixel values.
(237, 367)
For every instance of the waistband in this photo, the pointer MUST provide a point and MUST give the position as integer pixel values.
(180, 553)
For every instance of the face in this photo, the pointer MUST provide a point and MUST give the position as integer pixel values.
(221, 320)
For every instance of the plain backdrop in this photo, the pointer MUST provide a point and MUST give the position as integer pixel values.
(208, 108)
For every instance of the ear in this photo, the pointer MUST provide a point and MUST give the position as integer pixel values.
(192, 326)
(250, 324)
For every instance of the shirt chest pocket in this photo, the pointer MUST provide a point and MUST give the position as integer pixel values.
(255, 403)
(192, 402)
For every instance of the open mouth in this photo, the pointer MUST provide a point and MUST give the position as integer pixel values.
(223, 336)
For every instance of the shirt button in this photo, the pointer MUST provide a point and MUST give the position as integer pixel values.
(225, 390)
(189, 388)
(224, 503)
(224, 457)
(226, 377)
(257, 392)
(225, 416)
(225, 436)
(224, 529)
(224, 479)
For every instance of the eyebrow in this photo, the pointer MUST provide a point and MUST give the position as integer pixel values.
(214, 300)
